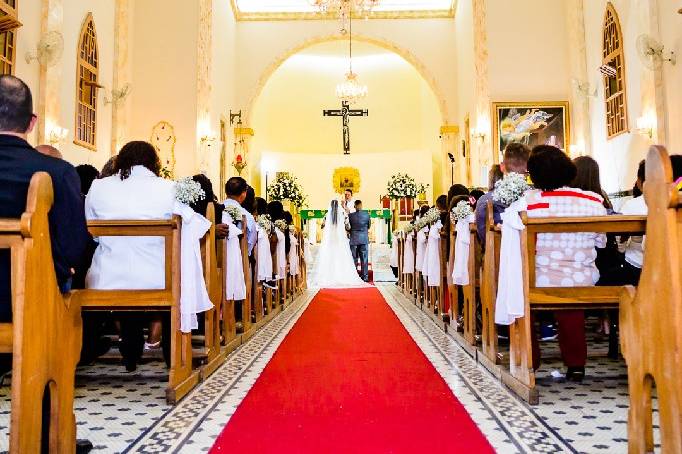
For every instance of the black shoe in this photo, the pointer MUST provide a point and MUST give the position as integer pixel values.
(102, 346)
(575, 374)
(83, 446)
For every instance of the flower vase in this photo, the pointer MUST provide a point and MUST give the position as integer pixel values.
(421, 196)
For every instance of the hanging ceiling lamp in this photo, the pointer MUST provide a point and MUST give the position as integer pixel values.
(351, 90)
(345, 8)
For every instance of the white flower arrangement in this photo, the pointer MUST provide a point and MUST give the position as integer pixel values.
(461, 211)
(432, 216)
(292, 228)
(287, 187)
(510, 188)
(188, 191)
(422, 188)
(265, 223)
(401, 186)
(281, 225)
(234, 212)
(408, 228)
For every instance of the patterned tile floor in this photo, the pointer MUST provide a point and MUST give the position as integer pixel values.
(123, 413)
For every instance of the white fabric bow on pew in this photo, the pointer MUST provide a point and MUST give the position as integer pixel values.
(235, 285)
(264, 272)
(510, 303)
(408, 254)
(193, 294)
(460, 273)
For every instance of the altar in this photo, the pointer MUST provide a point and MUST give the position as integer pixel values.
(380, 232)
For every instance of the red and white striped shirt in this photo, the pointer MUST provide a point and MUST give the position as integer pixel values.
(566, 259)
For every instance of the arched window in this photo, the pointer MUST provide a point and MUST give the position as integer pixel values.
(614, 86)
(8, 35)
(86, 86)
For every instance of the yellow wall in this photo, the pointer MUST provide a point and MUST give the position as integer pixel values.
(165, 75)
(402, 126)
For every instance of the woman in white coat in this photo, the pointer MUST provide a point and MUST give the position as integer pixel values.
(135, 191)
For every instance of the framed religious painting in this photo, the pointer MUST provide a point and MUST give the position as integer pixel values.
(530, 123)
(346, 178)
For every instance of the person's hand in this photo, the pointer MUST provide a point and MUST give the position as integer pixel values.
(222, 230)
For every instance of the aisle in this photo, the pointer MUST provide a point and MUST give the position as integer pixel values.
(349, 378)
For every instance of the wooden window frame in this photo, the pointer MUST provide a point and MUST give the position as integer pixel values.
(84, 66)
(9, 23)
(615, 102)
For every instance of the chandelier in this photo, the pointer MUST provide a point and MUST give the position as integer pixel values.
(351, 90)
(345, 8)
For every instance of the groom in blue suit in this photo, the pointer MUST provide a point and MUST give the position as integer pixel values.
(360, 222)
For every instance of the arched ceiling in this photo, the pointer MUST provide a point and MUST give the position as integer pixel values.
(404, 114)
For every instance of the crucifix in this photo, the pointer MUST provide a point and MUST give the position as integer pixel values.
(345, 112)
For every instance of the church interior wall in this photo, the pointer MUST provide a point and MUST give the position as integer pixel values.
(670, 25)
(27, 38)
(165, 76)
(464, 24)
(73, 13)
(222, 85)
(622, 153)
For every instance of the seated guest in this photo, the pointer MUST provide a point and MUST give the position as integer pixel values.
(475, 195)
(515, 160)
(87, 175)
(136, 191)
(18, 162)
(628, 271)
(249, 203)
(236, 190)
(201, 205)
(456, 190)
(109, 168)
(49, 150)
(261, 206)
(570, 261)
(494, 176)
(276, 212)
(68, 230)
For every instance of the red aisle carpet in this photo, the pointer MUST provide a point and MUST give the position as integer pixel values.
(349, 378)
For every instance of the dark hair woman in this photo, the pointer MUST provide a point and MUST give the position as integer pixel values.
(552, 173)
(455, 190)
(137, 153)
(587, 178)
(200, 205)
(261, 206)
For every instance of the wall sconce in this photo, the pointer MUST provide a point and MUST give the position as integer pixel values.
(645, 126)
(57, 135)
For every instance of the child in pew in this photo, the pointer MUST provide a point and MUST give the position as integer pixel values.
(629, 268)
(567, 259)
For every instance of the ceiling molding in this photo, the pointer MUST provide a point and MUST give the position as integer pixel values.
(290, 16)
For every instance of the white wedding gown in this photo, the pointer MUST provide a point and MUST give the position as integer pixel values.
(334, 267)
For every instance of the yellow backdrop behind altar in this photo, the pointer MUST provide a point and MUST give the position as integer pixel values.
(315, 172)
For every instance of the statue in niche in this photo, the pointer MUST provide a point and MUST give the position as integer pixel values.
(163, 138)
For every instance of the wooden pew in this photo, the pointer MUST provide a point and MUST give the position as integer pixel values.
(215, 285)
(46, 333)
(521, 376)
(651, 316)
(490, 271)
(468, 337)
(182, 378)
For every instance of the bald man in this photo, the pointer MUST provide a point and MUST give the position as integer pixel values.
(49, 150)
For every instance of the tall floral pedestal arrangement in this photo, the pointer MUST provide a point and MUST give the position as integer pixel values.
(287, 189)
(402, 189)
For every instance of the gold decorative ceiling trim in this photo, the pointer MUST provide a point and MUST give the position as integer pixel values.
(285, 16)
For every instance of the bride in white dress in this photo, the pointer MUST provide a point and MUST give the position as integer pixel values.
(334, 267)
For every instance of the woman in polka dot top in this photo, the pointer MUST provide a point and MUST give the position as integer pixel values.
(564, 259)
